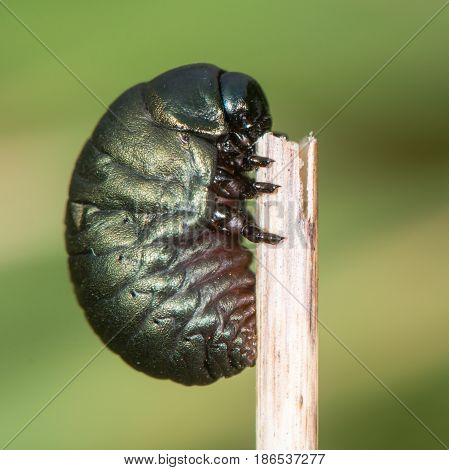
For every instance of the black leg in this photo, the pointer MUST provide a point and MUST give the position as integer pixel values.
(231, 220)
(259, 161)
(236, 186)
(256, 235)
(243, 161)
(235, 154)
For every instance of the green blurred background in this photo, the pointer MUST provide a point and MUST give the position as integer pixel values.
(384, 207)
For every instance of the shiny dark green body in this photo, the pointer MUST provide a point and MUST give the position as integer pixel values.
(172, 298)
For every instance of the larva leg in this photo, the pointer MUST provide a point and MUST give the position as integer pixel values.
(231, 220)
(237, 153)
(257, 161)
(237, 186)
(245, 161)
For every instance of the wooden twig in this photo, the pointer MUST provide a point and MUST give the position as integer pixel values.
(286, 290)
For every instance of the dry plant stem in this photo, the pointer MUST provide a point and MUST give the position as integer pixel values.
(286, 290)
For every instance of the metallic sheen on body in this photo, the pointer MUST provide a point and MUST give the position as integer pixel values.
(168, 293)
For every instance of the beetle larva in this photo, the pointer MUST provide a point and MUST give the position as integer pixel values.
(154, 222)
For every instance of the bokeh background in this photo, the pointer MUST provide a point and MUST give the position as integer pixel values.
(384, 207)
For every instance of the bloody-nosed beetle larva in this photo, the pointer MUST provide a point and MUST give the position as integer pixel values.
(154, 222)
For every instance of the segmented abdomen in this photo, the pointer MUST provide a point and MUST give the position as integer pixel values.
(180, 309)
(174, 299)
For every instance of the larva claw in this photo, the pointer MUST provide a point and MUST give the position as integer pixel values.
(265, 187)
(255, 235)
(260, 161)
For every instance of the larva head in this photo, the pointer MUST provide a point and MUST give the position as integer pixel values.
(245, 105)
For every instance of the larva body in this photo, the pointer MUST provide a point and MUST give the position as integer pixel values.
(153, 226)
